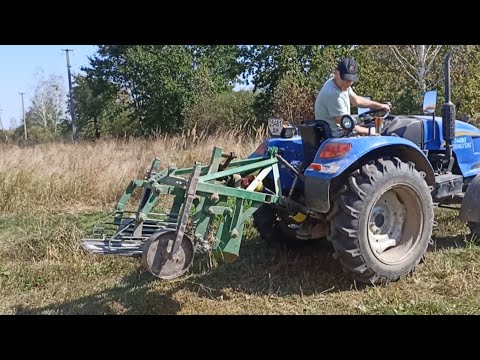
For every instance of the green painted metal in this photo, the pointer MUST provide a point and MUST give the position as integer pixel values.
(205, 168)
(244, 169)
(206, 188)
(229, 244)
(214, 204)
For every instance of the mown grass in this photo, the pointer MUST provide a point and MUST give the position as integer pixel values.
(43, 271)
(54, 194)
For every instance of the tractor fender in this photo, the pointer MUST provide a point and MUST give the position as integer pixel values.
(470, 209)
(319, 179)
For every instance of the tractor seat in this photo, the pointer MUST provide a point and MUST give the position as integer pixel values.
(313, 133)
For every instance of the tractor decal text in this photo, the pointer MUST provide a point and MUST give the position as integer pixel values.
(462, 143)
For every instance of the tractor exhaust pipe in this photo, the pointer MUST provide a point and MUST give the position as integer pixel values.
(446, 72)
(448, 115)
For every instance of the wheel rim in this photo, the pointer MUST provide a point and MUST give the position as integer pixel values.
(395, 224)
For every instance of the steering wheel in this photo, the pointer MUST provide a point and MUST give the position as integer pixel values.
(367, 119)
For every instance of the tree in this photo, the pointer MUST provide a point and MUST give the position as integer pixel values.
(93, 97)
(465, 73)
(222, 61)
(160, 80)
(48, 102)
(221, 112)
(293, 100)
(384, 76)
(418, 61)
(306, 65)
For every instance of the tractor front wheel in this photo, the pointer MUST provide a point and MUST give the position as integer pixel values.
(381, 224)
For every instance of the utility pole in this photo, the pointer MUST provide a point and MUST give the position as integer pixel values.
(24, 120)
(1, 125)
(72, 104)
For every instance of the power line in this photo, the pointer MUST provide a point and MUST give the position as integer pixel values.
(72, 103)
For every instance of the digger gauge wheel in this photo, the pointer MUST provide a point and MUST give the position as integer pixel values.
(160, 263)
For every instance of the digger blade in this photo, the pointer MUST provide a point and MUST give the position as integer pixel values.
(105, 247)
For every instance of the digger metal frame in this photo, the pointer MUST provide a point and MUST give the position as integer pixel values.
(203, 190)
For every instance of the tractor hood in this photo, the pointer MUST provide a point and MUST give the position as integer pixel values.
(461, 127)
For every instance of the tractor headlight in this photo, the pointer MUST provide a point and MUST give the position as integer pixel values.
(347, 123)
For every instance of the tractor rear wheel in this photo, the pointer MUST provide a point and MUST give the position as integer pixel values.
(381, 223)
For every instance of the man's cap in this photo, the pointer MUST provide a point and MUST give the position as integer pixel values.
(348, 69)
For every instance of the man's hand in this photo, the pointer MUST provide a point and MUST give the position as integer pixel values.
(384, 106)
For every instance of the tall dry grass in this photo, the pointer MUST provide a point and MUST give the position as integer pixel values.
(57, 176)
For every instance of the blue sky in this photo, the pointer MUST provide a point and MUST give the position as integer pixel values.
(20, 63)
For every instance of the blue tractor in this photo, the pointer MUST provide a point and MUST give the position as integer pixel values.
(373, 197)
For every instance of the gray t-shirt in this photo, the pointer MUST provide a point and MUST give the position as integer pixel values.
(332, 102)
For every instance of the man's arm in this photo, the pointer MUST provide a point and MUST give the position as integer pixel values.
(360, 101)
